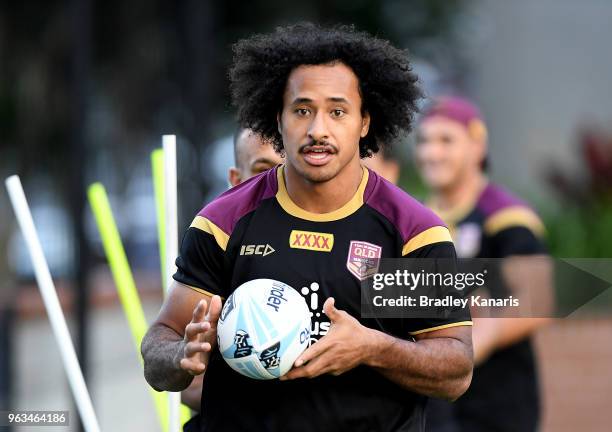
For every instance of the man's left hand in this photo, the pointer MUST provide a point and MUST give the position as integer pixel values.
(346, 345)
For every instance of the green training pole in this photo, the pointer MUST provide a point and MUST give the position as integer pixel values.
(157, 168)
(124, 280)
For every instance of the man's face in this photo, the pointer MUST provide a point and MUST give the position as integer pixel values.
(321, 122)
(254, 157)
(445, 152)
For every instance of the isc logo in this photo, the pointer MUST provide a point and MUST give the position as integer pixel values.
(262, 250)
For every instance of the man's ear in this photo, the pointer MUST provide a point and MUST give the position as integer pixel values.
(478, 132)
(234, 177)
(365, 124)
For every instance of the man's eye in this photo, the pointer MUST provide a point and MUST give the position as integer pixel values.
(302, 111)
(337, 113)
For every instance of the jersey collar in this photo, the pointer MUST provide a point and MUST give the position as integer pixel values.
(457, 214)
(347, 209)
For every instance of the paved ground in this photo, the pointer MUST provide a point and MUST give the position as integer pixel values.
(118, 389)
(576, 375)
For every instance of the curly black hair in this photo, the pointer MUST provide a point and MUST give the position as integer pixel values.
(262, 64)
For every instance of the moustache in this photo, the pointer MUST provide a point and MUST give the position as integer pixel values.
(321, 143)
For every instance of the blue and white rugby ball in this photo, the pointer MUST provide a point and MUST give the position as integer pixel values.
(263, 327)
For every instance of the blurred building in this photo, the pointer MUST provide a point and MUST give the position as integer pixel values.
(540, 70)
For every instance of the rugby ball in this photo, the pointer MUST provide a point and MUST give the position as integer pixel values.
(263, 327)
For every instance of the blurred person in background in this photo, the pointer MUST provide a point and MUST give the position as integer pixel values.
(252, 155)
(384, 164)
(486, 221)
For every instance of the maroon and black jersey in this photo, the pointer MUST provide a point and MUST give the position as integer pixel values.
(504, 392)
(255, 231)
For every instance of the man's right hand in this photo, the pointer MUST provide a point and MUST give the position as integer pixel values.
(200, 336)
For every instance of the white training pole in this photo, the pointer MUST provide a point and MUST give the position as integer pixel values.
(170, 189)
(52, 304)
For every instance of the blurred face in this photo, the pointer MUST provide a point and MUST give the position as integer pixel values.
(254, 157)
(445, 152)
(321, 121)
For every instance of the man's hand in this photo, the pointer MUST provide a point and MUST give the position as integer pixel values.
(344, 347)
(200, 336)
(438, 364)
(177, 346)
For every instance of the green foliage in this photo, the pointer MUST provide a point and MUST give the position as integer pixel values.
(581, 232)
(411, 182)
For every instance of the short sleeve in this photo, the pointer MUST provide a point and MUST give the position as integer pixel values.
(200, 262)
(453, 316)
(517, 240)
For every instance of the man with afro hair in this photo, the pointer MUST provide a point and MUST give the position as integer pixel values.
(325, 98)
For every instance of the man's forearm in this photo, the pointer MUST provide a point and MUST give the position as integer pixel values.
(192, 395)
(438, 367)
(161, 348)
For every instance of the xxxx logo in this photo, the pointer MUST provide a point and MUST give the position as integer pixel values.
(322, 242)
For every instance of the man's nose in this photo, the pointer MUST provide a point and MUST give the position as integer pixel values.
(429, 151)
(318, 130)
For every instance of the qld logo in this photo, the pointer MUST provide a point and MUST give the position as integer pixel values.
(468, 239)
(363, 259)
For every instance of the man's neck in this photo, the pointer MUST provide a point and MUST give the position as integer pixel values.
(323, 197)
(460, 195)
